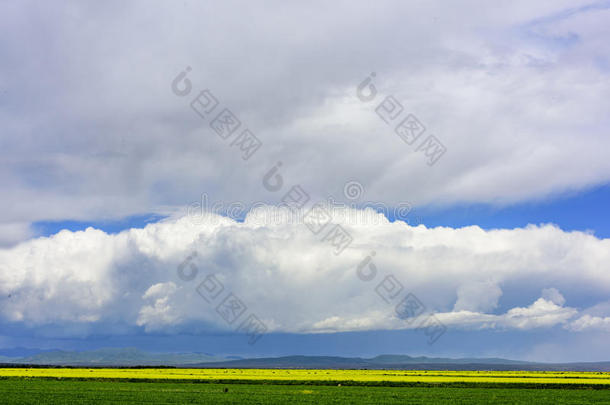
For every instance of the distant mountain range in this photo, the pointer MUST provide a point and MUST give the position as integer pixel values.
(130, 357)
(110, 357)
(383, 361)
(403, 362)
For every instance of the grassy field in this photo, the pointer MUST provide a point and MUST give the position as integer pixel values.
(252, 386)
(321, 377)
(44, 391)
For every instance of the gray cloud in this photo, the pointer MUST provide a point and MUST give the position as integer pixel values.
(517, 93)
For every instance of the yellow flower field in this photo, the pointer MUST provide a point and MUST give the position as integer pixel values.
(318, 375)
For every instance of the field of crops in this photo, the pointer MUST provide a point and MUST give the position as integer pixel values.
(54, 392)
(320, 377)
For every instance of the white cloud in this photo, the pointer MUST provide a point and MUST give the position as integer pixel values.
(541, 313)
(291, 279)
(477, 296)
(553, 295)
(160, 313)
(595, 318)
(588, 322)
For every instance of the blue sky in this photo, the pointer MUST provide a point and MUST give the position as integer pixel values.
(485, 123)
(576, 211)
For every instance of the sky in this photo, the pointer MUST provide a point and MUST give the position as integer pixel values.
(327, 178)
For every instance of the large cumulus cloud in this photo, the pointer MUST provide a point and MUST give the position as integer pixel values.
(533, 277)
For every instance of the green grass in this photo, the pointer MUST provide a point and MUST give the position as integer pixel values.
(45, 391)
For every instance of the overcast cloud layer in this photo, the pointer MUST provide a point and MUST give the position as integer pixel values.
(517, 92)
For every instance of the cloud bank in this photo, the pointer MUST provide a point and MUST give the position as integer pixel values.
(505, 279)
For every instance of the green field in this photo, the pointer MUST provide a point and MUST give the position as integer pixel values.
(45, 391)
(66, 385)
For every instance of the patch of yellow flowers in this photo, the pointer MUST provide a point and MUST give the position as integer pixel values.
(317, 375)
